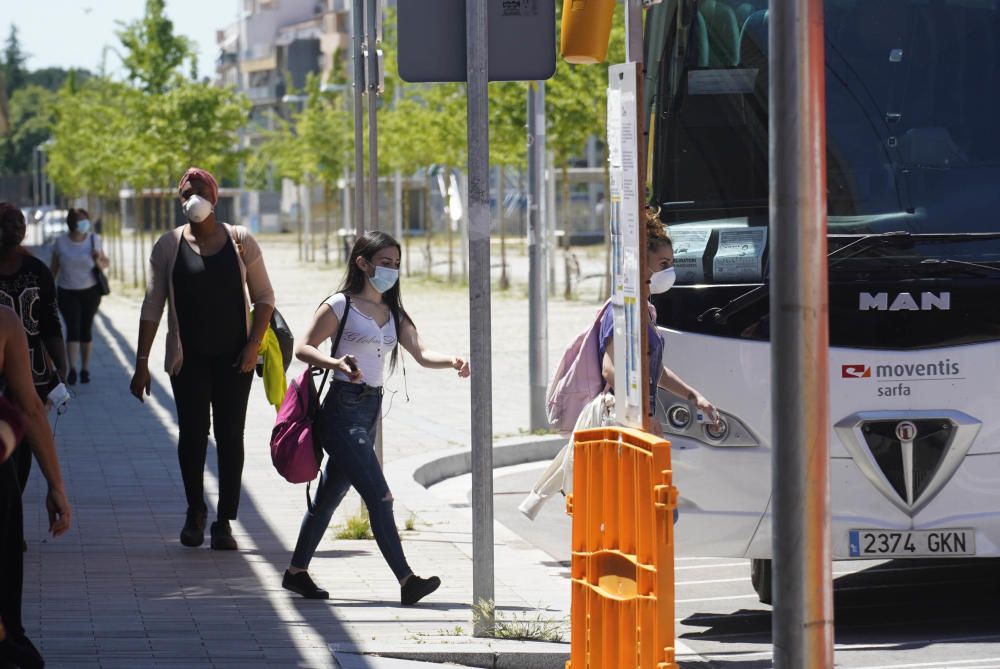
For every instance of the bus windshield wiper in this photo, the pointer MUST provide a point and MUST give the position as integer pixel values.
(857, 247)
(754, 295)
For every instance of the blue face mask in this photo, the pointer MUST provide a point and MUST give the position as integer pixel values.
(384, 279)
(83, 225)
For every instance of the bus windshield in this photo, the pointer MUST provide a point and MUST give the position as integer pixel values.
(913, 143)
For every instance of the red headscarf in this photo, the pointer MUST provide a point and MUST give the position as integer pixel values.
(204, 176)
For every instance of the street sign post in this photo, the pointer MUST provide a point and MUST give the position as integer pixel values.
(478, 42)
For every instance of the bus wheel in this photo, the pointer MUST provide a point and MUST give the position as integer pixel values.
(760, 577)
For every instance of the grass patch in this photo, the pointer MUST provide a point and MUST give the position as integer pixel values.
(411, 522)
(356, 528)
(519, 627)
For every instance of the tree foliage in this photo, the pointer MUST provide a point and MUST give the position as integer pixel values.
(154, 53)
(15, 74)
(31, 115)
(108, 133)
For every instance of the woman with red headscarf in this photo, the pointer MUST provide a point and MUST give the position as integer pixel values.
(208, 274)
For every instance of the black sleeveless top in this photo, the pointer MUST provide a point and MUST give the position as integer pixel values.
(208, 294)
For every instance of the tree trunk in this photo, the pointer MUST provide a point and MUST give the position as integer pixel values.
(427, 226)
(523, 211)
(406, 228)
(504, 279)
(140, 232)
(298, 218)
(326, 222)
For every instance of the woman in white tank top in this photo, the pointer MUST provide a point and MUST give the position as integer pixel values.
(375, 325)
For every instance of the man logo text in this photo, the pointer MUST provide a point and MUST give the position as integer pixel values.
(904, 302)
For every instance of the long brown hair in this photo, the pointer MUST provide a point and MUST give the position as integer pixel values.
(656, 232)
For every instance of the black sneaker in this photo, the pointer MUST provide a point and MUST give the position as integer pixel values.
(304, 585)
(71, 377)
(193, 533)
(222, 536)
(417, 588)
(84, 376)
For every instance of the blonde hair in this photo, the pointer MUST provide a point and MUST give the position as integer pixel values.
(656, 231)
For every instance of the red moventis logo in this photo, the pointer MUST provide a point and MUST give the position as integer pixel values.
(855, 371)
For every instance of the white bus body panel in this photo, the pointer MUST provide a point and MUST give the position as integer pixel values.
(725, 491)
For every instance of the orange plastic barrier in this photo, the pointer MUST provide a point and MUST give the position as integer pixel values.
(623, 551)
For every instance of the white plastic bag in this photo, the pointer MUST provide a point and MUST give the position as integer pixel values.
(558, 476)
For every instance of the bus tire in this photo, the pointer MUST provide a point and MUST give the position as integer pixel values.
(760, 577)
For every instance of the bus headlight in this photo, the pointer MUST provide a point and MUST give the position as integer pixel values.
(677, 419)
(679, 416)
(717, 431)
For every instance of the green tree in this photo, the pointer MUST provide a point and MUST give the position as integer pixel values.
(15, 74)
(576, 105)
(53, 78)
(31, 117)
(154, 53)
(325, 133)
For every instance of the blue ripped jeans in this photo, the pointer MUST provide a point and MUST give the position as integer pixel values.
(346, 426)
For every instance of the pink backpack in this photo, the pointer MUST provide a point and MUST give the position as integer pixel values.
(295, 451)
(578, 378)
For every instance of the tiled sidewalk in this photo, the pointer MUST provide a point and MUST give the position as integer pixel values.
(120, 591)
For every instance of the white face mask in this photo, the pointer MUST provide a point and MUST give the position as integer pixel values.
(83, 225)
(662, 281)
(384, 279)
(197, 209)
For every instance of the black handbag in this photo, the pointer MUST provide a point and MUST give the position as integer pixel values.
(102, 279)
(286, 341)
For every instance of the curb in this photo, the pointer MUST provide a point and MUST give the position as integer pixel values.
(552, 656)
(448, 464)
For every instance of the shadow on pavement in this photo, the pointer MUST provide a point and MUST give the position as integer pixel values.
(120, 587)
(899, 605)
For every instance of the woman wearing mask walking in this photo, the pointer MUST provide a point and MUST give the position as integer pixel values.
(74, 257)
(208, 274)
(375, 324)
(660, 276)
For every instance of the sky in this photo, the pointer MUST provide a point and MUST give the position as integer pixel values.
(73, 33)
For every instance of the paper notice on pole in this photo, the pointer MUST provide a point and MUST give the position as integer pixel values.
(631, 203)
(690, 243)
(740, 256)
(626, 200)
(614, 128)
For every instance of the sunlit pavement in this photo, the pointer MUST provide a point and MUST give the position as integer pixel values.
(120, 591)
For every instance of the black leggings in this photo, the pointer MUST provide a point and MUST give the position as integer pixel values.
(211, 383)
(11, 556)
(78, 309)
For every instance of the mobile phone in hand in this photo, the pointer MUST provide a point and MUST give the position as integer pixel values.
(349, 360)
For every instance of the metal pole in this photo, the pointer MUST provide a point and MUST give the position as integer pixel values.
(634, 54)
(358, 16)
(479, 309)
(372, 16)
(538, 332)
(803, 582)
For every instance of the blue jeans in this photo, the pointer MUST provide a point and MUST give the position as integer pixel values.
(346, 426)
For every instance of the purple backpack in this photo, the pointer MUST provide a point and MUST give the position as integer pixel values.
(295, 450)
(578, 378)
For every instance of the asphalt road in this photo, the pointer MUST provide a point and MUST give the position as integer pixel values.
(889, 614)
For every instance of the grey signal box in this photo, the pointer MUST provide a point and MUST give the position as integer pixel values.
(431, 33)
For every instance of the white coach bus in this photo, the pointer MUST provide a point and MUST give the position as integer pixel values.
(913, 178)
